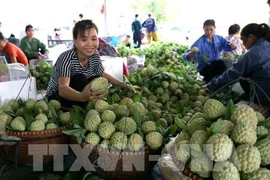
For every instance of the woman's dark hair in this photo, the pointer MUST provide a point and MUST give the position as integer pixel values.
(2, 37)
(233, 29)
(29, 26)
(81, 26)
(209, 22)
(258, 30)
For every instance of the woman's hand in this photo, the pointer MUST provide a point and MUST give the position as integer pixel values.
(88, 95)
(132, 88)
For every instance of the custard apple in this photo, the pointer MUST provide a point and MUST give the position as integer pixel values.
(92, 138)
(154, 140)
(18, 124)
(106, 129)
(100, 84)
(30, 103)
(105, 144)
(203, 166)
(91, 112)
(121, 110)
(119, 140)
(148, 126)
(264, 148)
(244, 114)
(5, 119)
(226, 126)
(260, 117)
(195, 125)
(92, 123)
(244, 134)
(37, 125)
(219, 147)
(101, 105)
(182, 151)
(127, 125)
(41, 117)
(225, 171)
(56, 104)
(213, 109)
(139, 107)
(183, 135)
(127, 101)
(246, 158)
(135, 142)
(260, 174)
(262, 131)
(42, 105)
(65, 118)
(14, 104)
(199, 137)
(51, 126)
(108, 115)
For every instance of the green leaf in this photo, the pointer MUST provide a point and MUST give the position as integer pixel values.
(79, 110)
(28, 119)
(54, 114)
(136, 98)
(79, 139)
(217, 127)
(76, 118)
(170, 130)
(71, 175)
(229, 109)
(244, 176)
(261, 137)
(137, 117)
(49, 177)
(180, 123)
(71, 132)
(140, 132)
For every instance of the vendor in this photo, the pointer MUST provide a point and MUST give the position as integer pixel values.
(12, 53)
(75, 68)
(207, 51)
(254, 64)
(31, 46)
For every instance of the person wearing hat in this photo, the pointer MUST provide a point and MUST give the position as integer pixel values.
(150, 25)
(12, 52)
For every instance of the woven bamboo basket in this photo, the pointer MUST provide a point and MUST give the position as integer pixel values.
(46, 137)
(111, 164)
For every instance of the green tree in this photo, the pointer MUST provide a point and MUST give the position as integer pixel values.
(155, 7)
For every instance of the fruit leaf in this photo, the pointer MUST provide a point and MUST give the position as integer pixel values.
(140, 132)
(170, 130)
(76, 118)
(28, 119)
(217, 127)
(229, 109)
(71, 132)
(180, 123)
(137, 117)
(54, 114)
(261, 137)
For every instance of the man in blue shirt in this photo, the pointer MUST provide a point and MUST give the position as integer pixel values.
(254, 64)
(207, 49)
(136, 29)
(151, 28)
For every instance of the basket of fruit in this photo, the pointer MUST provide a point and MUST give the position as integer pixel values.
(224, 143)
(120, 143)
(34, 126)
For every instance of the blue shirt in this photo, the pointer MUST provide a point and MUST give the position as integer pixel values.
(150, 25)
(210, 50)
(254, 64)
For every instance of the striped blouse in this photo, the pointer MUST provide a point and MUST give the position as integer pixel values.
(68, 65)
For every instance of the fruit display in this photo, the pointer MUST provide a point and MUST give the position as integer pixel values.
(229, 147)
(42, 72)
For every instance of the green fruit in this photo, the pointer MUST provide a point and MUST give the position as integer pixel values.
(18, 124)
(100, 84)
(154, 140)
(127, 125)
(219, 147)
(264, 148)
(244, 134)
(148, 126)
(119, 140)
(213, 109)
(92, 138)
(245, 114)
(246, 158)
(91, 123)
(51, 126)
(135, 142)
(260, 174)
(108, 115)
(106, 129)
(225, 171)
(37, 125)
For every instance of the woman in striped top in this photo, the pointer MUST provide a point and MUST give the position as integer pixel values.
(75, 68)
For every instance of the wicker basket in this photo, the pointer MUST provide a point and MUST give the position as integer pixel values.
(110, 164)
(47, 137)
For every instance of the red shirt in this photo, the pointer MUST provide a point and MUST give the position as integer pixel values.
(14, 51)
